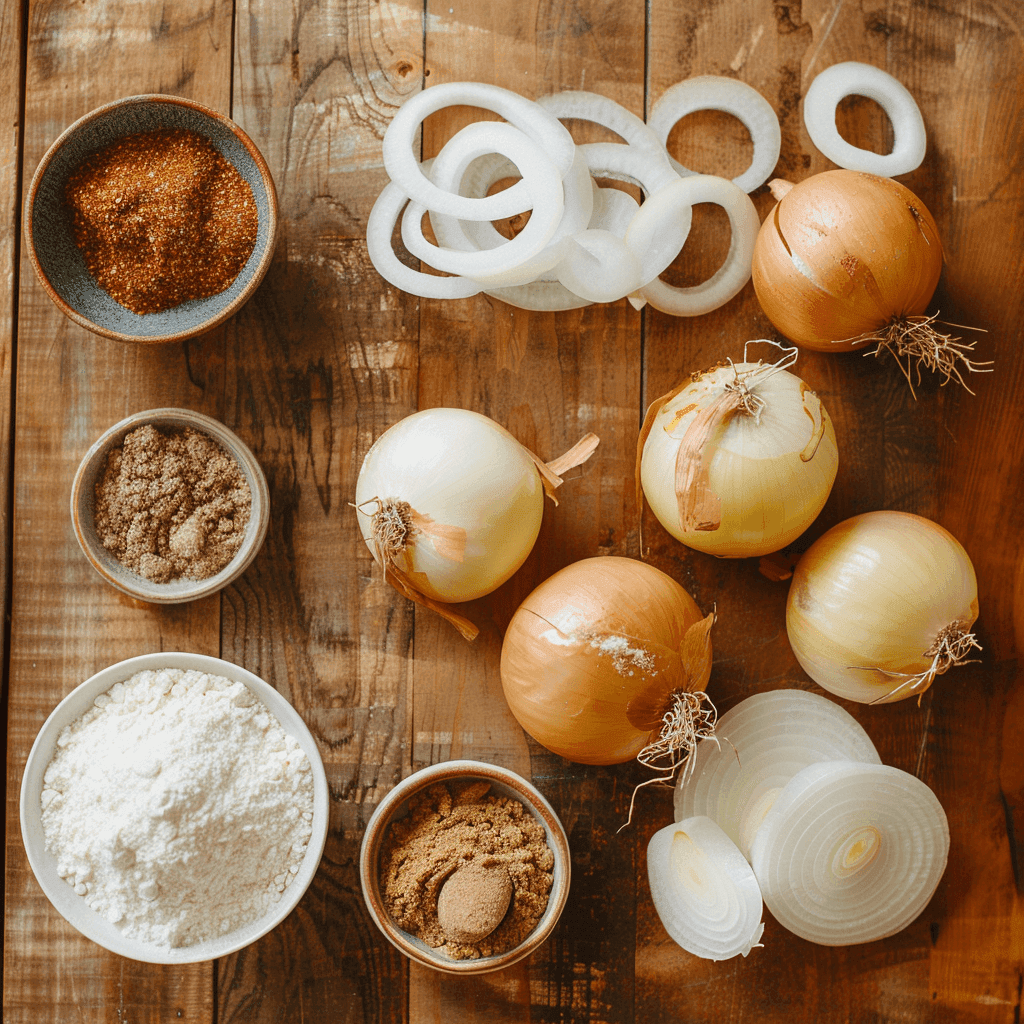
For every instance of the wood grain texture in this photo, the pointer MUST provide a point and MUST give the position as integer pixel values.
(326, 356)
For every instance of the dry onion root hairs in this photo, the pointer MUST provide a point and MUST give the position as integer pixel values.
(951, 648)
(690, 718)
(915, 339)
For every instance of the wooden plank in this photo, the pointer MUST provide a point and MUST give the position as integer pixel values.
(317, 365)
(71, 385)
(549, 378)
(895, 453)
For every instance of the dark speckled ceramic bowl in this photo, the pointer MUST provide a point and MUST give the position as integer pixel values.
(58, 261)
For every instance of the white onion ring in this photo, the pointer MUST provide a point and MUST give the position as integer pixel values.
(716, 92)
(546, 199)
(597, 109)
(379, 227)
(634, 166)
(403, 168)
(547, 296)
(850, 853)
(646, 235)
(600, 267)
(703, 890)
(852, 78)
(457, 168)
(613, 211)
(759, 745)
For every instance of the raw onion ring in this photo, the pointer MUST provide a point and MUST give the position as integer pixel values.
(600, 267)
(744, 102)
(852, 78)
(546, 199)
(379, 228)
(403, 168)
(646, 235)
(597, 109)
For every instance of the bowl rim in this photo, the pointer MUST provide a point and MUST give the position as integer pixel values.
(532, 799)
(235, 446)
(62, 897)
(261, 268)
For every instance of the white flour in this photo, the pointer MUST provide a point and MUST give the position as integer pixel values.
(177, 806)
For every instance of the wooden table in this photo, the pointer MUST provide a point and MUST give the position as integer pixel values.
(326, 356)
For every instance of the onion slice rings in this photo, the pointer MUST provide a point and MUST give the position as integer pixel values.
(852, 78)
(715, 92)
(403, 167)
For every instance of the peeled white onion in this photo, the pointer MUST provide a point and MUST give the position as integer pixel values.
(703, 890)
(850, 853)
(759, 745)
(739, 461)
(880, 605)
(451, 503)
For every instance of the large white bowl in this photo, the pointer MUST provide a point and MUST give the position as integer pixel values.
(73, 907)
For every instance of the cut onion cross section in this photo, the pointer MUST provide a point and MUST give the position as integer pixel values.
(703, 890)
(761, 744)
(850, 853)
(403, 167)
(851, 78)
(715, 92)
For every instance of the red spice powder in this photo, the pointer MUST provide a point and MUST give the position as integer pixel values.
(161, 218)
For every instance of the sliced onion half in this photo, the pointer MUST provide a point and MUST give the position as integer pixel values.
(852, 78)
(761, 744)
(850, 853)
(703, 890)
(403, 167)
(652, 234)
(715, 92)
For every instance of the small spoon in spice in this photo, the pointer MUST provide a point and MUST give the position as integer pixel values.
(474, 901)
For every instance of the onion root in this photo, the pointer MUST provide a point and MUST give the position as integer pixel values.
(915, 339)
(950, 648)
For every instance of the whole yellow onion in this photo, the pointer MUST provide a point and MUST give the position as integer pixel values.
(880, 605)
(608, 659)
(843, 257)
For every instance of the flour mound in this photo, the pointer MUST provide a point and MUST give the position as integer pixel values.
(177, 806)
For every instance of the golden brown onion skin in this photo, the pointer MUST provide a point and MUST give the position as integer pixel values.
(568, 694)
(841, 255)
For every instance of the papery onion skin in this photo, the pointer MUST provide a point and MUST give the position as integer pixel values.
(772, 475)
(446, 463)
(843, 254)
(870, 598)
(568, 695)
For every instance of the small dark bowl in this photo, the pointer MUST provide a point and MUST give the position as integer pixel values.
(58, 261)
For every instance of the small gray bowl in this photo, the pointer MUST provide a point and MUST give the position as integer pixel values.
(395, 805)
(83, 490)
(58, 261)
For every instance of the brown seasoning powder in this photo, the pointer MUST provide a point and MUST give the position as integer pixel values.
(172, 505)
(161, 217)
(446, 828)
